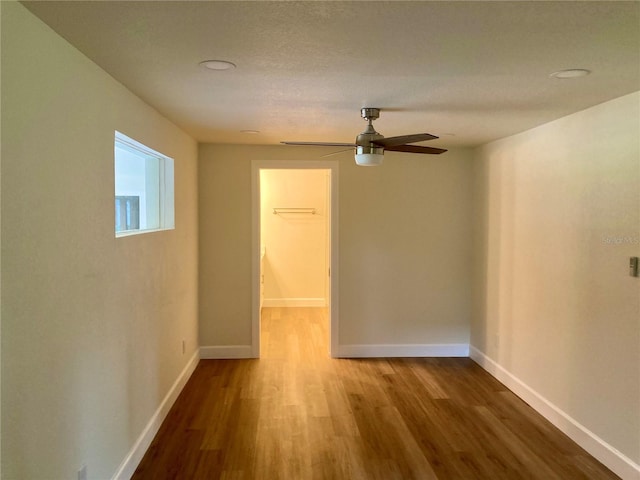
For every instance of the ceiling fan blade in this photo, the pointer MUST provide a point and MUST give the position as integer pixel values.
(336, 153)
(401, 140)
(320, 144)
(415, 149)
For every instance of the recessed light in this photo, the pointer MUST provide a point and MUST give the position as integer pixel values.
(217, 65)
(250, 132)
(571, 73)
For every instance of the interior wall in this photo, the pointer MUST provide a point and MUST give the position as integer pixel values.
(295, 263)
(0, 251)
(404, 246)
(558, 216)
(92, 325)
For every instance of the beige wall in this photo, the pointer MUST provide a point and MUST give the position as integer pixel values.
(558, 219)
(295, 264)
(92, 325)
(0, 247)
(404, 246)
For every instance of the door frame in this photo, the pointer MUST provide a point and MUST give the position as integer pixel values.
(256, 166)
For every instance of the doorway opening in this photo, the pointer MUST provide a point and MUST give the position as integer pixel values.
(294, 241)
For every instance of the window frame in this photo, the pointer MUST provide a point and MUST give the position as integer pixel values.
(166, 192)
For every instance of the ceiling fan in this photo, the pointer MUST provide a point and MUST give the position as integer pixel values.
(370, 145)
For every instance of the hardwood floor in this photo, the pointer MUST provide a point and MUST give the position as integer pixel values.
(297, 414)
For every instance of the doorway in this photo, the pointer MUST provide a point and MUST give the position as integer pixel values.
(304, 225)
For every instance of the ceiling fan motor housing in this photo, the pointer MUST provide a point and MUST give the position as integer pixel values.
(365, 139)
(364, 145)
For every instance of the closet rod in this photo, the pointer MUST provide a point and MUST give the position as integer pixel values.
(309, 210)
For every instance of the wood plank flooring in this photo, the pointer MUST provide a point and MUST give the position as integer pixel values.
(296, 414)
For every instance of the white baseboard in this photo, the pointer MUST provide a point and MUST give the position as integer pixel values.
(226, 351)
(294, 302)
(433, 350)
(605, 453)
(132, 460)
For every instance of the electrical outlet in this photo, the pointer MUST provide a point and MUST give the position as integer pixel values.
(82, 473)
(634, 269)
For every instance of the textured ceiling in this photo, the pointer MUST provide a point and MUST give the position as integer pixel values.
(470, 72)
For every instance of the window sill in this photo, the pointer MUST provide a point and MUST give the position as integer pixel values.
(130, 233)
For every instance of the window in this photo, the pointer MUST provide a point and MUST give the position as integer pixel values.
(143, 188)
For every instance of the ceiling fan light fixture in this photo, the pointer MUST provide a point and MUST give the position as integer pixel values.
(369, 156)
(369, 159)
